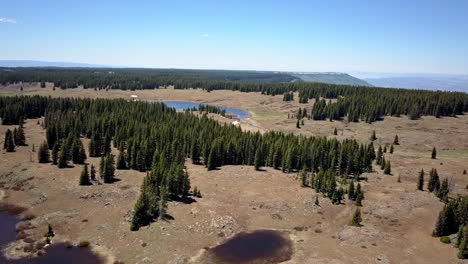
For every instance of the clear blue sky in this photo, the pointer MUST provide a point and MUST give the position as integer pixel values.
(426, 36)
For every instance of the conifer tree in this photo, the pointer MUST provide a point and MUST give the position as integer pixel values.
(385, 149)
(391, 149)
(55, 152)
(335, 132)
(434, 182)
(396, 141)
(93, 173)
(356, 220)
(258, 158)
(298, 125)
(434, 153)
(162, 202)
(20, 139)
(78, 152)
(462, 242)
(351, 191)
(62, 156)
(359, 199)
(84, 178)
(121, 162)
(107, 168)
(388, 168)
(373, 137)
(443, 191)
(464, 172)
(9, 143)
(43, 155)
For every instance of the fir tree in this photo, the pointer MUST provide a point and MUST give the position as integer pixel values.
(121, 162)
(84, 178)
(93, 173)
(298, 125)
(107, 168)
(373, 137)
(434, 182)
(9, 143)
(55, 152)
(356, 220)
(20, 139)
(396, 141)
(391, 149)
(359, 199)
(43, 155)
(162, 202)
(443, 191)
(62, 156)
(388, 168)
(335, 132)
(434, 153)
(351, 191)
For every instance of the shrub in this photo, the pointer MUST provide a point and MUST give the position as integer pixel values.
(445, 239)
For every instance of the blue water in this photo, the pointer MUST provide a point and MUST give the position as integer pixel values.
(188, 105)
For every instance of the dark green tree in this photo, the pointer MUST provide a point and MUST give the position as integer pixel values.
(43, 155)
(434, 153)
(84, 177)
(421, 180)
(356, 220)
(9, 143)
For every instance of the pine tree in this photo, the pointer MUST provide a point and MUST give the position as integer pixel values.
(351, 191)
(379, 156)
(391, 149)
(121, 162)
(335, 132)
(356, 220)
(20, 139)
(388, 168)
(9, 143)
(55, 151)
(162, 202)
(434, 153)
(62, 156)
(298, 125)
(385, 149)
(359, 199)
(93, 173)
(443, 191)
(434, 182)
(463, 247)
(258, 158)
(84, 178)
(107, 168)
(78, 152)
(43, 155)
(395, 141)
(373, 137)
(446, 222)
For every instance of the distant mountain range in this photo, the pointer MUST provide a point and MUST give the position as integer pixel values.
(331, 77)
(424, 82)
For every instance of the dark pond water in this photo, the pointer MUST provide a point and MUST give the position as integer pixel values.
(58, 253)
(188, 105)
(261, 246)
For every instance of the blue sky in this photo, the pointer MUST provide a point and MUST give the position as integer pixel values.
(352, 36)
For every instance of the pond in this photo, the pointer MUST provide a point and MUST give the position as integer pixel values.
(261, 246)
(181, 106)
(55, 254)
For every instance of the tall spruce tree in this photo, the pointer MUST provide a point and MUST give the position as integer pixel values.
(356, 219)
(434, 153)
(84, 177)
(9, 143)
(421, 180)
(43, 155)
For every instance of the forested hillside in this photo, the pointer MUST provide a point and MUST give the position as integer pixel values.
(357, 103)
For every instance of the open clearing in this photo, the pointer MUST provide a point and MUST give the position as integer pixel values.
(397, 219)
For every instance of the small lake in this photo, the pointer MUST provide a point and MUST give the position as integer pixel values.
(181, 106)
(261, 246)
(57, 253)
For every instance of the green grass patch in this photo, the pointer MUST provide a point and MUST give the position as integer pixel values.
(454, 153)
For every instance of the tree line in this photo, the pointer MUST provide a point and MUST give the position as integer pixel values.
(356, 103)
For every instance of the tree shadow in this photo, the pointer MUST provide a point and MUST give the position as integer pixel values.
(185, 200)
